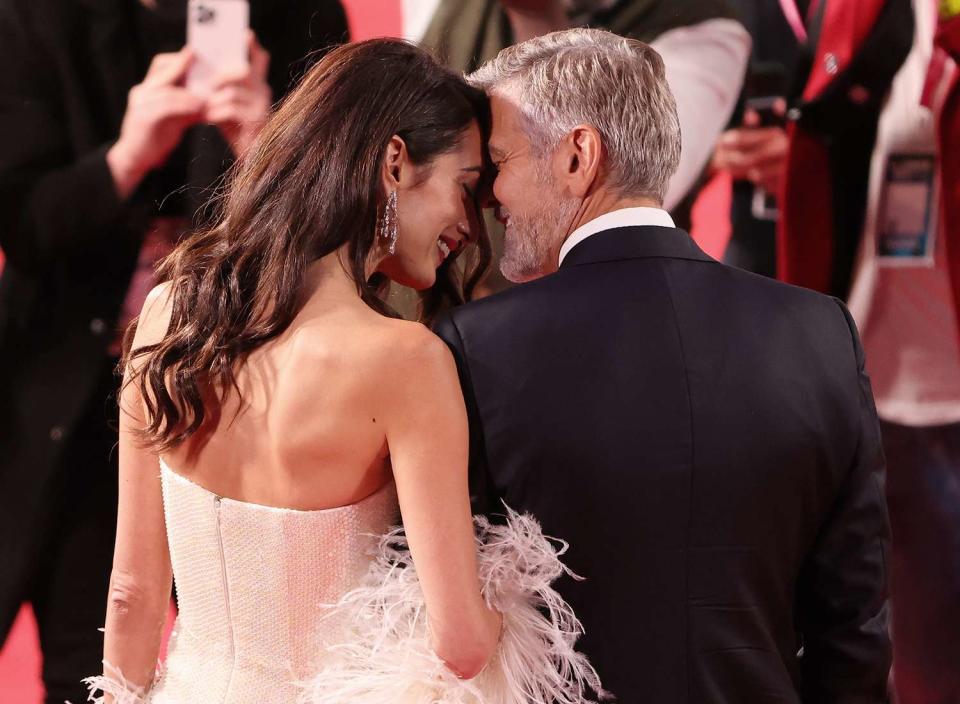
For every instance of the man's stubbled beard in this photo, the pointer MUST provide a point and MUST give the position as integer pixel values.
(532, 239)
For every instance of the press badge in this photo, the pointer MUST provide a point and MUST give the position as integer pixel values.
(907, 221)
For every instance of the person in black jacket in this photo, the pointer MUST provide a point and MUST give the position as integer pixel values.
(105, 158)
(828, 126)
(704, 438)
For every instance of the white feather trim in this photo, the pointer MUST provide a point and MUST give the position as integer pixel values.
(388, 659)
(113, 683)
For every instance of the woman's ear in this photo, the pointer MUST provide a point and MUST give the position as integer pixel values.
(396, 164)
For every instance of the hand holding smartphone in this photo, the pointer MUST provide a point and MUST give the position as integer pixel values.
(768, 111)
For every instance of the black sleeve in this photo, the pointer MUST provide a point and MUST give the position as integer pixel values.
(296, 33)
(53, 202)
(843, 608)
(483, 496)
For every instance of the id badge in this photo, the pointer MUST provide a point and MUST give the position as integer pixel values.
(907, 222)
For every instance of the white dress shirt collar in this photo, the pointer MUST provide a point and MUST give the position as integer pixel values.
(625, 217)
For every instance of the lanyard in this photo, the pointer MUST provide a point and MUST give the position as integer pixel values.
(792, 14)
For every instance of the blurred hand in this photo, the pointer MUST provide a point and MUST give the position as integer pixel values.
(753, 153)
(159, 110)
(240, 101)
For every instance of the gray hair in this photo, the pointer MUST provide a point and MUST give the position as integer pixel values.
(593, 77)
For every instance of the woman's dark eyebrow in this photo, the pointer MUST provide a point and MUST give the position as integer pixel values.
(477, 169)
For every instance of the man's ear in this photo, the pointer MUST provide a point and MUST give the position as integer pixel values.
(397, 168)
(581, 154)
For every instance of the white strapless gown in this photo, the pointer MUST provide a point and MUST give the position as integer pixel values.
(280, 606)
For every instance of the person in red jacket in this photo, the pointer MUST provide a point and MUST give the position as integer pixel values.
(817, 165)
(855, 48)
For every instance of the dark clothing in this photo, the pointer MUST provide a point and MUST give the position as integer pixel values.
(923, 489)
(753, 241)
(69, 586)
(71, 244)
(775, 46)
(773, 61)
(707, 442)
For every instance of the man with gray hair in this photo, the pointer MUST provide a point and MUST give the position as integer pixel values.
(705, 439)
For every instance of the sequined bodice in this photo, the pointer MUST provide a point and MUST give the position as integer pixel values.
(253, 584)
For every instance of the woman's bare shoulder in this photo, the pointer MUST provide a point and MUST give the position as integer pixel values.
(374, 339)
(154, 319)
(416, 340)
(376, 349)
(417, 364)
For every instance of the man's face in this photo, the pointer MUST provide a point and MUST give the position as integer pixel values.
(530, 202)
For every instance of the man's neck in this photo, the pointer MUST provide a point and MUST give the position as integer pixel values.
(603, 203)
(593, 206)
(623, 212)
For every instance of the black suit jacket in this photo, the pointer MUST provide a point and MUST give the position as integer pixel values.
(707, 442)
(70, 244)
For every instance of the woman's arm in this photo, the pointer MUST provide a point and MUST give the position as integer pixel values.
(427, 437)
(140, 583)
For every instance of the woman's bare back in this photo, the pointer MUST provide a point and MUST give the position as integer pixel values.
(304, 431)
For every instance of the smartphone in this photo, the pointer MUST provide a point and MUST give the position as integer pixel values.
(766, 82)
(764, 107)
(217, 34)
(766, 78)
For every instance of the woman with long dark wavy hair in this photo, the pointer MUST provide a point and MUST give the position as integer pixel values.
(275, 415)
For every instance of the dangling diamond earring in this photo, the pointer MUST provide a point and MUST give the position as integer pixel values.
(389, 225)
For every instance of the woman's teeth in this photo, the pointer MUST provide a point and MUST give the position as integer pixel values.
(443, 248)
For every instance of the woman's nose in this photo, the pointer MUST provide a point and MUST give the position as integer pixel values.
(468, 229)
(469, 223)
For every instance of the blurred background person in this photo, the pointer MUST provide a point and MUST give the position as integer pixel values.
(704, 46)
(819, 74)
(105, 160)
(753, 151)
(904, 298)
(948, 134)
(853, 50)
